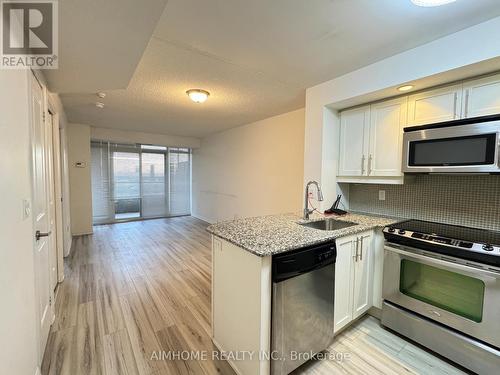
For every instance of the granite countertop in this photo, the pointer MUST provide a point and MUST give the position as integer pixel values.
(269, 235)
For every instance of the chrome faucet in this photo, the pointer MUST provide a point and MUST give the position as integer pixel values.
(307, 211)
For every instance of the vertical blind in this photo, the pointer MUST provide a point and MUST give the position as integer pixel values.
(139, 181)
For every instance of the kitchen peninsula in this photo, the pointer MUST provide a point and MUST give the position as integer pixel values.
(242, 256)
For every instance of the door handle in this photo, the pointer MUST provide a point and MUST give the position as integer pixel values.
(39, 235)
(451, 266)
(362, 165)
(370, 165)
(356, 255)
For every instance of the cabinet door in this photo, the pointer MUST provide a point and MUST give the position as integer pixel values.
(387, 120)
(354, 126)
(482, 97)
(363, 276)
(343, 282)
(443, 104)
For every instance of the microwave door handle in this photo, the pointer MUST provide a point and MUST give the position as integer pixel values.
(440, 262)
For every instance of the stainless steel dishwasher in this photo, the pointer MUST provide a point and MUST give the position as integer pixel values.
(303, 305)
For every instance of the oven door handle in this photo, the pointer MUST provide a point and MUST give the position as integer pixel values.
(440, 262)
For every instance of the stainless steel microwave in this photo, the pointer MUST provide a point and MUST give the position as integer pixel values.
(461, 146)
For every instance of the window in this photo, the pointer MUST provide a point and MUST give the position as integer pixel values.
(139, 181)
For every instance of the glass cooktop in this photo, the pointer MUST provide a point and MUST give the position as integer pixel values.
(450, 231)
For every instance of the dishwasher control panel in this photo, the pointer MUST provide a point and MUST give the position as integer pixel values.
(296, 262)
(326, 255)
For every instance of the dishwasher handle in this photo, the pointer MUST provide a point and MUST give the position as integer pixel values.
(288, 265)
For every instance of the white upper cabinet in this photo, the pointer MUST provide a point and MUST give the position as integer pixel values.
(371, 140)
(482, 97)
(439, 105)
(371, 136)
(387, 120)
(354, 134)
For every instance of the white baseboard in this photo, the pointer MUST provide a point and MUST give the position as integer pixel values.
(82, 234)
(228, 360)
(201, 217)
(68, 246)
(375, 312)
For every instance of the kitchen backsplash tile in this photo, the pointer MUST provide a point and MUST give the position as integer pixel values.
(472, 200)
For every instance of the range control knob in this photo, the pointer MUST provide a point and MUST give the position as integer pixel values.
(391, 230)
(401, 231)
(487, 247)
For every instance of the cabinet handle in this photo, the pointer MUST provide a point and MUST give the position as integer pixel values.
(370, 165)
(361, 252)
(356, 256)
(362, 165)
(466, 106)
(455, 105)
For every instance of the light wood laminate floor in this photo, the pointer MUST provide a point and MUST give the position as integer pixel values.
(133, 290)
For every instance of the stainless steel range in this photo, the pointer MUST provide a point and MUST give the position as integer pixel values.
(442, 289)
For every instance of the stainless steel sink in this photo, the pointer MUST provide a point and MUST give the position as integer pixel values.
(328, 224)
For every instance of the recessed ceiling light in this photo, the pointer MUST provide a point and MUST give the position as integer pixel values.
(198, 95)
(431, 3)
(101, 95)
(99, 105)
(406, 88)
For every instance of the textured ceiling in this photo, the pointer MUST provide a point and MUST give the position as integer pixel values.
(257, 57)
(101, 42)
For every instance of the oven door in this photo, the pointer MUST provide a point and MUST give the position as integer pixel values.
(470, 148)
(440, 288)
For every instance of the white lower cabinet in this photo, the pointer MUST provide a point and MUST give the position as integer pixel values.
(353, 278)
(344, 271)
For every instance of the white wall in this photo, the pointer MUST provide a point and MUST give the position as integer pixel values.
(467, 52)
(125, 136)
(18, 341)
(252, 170)
(78, 136)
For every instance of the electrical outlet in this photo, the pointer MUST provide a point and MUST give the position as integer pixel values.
(381, 195)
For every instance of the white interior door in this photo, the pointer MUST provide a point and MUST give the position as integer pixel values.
(41, 206)
(52, 201)
(58, 197)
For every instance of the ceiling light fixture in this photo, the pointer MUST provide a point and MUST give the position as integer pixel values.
(405, 88)
(431, 3)
(198, 95)
(99, 105)
(101, 95)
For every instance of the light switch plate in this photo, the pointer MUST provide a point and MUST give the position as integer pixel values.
(26, 209)
(381, 195)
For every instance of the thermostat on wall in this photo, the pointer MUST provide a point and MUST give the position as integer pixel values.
(80, 164)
